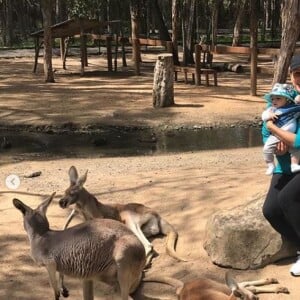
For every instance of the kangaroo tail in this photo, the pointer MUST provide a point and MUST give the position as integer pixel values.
(172, 237)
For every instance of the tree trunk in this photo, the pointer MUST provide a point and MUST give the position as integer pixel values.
(3, 23)
(61, 11)
(290, 34)
(253, 44)
(9, 24)
(275, 16)
(134, 13)
(267, 9)
(46, 10)
(188, 13)
(175, 29)
(162, 28)
(238, 23)
(214, 22)
(163, 82)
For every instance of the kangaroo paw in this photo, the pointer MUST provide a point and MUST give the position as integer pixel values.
(65, 292)
(282, 289)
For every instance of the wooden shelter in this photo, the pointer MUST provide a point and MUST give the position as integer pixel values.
(79, 27)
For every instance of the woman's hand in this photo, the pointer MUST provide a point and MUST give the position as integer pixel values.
(281, 148)
(270, 125)
(287, 139)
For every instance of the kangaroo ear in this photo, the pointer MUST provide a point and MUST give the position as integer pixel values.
(82, 179)
(21, 206)
(73, 175)
(44, 205)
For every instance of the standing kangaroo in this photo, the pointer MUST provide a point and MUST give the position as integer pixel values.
(105, 250)
(142, 220)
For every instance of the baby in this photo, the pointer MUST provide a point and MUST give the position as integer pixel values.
(284, 111)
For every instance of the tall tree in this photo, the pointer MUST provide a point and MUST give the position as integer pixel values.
(47, 6)
(9, 23)
(268, 13)
(175, 29)
(135, 26)
(236, 39)
(290, 32)
(214, 21)
(188, 13)
(162, 28)
(254, 4)
(61, 10)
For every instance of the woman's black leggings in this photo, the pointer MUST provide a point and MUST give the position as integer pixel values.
(282, 205)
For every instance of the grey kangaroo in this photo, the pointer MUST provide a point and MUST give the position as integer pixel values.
(142, 220)
(100, 249)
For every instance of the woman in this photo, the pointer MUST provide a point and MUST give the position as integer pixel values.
(282, 204)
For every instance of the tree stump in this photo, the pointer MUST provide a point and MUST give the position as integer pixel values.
(163, 82)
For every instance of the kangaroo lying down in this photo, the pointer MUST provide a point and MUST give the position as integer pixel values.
(100, 249)
(207, 289)
(142, 220)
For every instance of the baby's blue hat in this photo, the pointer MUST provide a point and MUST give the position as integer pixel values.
(282, 90)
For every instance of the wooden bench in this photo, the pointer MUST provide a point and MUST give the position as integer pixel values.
(193, 71)
(203, 62)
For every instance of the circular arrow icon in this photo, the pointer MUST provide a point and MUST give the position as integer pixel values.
(12, 181)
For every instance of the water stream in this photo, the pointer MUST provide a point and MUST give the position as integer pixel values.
(116, 142)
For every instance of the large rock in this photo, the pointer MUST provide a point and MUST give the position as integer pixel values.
(241, 238)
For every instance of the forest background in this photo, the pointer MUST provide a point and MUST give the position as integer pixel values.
(185, 22)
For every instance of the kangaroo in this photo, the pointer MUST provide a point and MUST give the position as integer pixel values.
(100, 249)
(207, 289)
(142, 220)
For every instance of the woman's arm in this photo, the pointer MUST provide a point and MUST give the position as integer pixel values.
(285, 136)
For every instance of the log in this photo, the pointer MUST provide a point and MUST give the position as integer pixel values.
(237, 68)
(163, 82)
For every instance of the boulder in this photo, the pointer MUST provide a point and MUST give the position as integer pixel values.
(241, 238)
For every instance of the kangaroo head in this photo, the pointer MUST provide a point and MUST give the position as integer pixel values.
(237, 291)
(72, 194)
(35, 220)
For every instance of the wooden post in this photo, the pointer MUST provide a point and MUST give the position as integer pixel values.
(82, 56)
(38, 46)
(163, 81)
(62, 48)
(116, 38)
(123, 41)
(109, 53)
(136, 55)
(66, 46)
(169, 47)
(198, 49)
(85, 51)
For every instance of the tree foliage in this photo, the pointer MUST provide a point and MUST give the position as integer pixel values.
(88, 8)
(18, 18)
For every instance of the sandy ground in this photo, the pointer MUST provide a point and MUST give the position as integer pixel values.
(185, 188)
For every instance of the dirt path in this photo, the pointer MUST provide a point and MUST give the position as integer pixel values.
(120, 98)
(185, 188)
